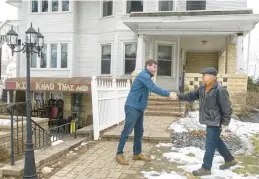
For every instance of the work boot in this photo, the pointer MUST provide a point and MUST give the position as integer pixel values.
(227, 165)
(121, 160)
(141, 157)
(201, 172)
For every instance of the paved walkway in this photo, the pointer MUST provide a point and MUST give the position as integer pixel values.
(155, 129)
(99, 162)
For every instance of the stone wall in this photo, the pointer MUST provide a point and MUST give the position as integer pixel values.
(222, 64)
(236, 84)
(231, 59)
(19, 136)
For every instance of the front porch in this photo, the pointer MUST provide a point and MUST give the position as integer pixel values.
(184, 43)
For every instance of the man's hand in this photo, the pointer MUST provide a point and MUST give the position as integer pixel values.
(173, 96)
(223, 128)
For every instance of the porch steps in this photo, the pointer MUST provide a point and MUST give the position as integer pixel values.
(164, 106)
(85, 131)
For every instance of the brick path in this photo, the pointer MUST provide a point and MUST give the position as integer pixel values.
(99, 162)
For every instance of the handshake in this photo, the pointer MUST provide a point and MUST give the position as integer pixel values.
(173, 96)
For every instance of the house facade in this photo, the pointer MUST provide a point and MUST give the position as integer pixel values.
(114, 38)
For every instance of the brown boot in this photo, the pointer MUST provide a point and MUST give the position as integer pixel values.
(227, 165)
(121, 160)
(201, 172)
(141, 157)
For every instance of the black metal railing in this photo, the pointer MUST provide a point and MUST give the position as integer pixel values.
(42, 138)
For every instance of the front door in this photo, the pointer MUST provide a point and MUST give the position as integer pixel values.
(167, 70)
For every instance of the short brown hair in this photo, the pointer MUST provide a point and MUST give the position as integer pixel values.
(151, 62)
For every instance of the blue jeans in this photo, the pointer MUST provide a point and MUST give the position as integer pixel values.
(213, 142)
(133, 120)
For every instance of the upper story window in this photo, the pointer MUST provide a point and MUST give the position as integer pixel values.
(195, 5)
(34, 6)
(65, 5)
(43, 57)
(45, 6)
(64, 50)
(55, 5)
(166, 5)
(134, 6)
(39, 6)
(107, 8)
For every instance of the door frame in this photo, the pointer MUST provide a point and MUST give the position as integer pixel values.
(174, 56)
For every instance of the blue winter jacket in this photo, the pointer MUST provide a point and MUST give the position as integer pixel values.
(138, 95)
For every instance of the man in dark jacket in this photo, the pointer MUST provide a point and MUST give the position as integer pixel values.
(135, 106)
(215, 112)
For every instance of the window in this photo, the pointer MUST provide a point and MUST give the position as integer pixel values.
(34, 6)
(196, 5)
(166, 5)
(106, 59)
(130, 57)
(134, 6)
(45, 6)
(34, 60)
(54, 5)
(64, 55)
(38, 96)
(53, 63)
(107, 8)
(43, 57)
(56, 95)
(164, 56)
(65, 5)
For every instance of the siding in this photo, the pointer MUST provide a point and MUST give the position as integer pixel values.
(198, 61)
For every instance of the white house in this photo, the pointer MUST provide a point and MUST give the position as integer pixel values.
(113, 38)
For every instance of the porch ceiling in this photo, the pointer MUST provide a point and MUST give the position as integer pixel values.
(191, 25)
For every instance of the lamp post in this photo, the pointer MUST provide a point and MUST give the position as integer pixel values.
(34, 42)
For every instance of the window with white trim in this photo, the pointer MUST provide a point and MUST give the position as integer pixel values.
(65, 5)
(106, 59)
(130, 55)
(134, 6)
(44, 6)
(43, 57)
(55, 4)
(195, 5)
(64, 50)
(166, 5)
(54, 55)
(107, 8)
(34, 6)
(164, 58)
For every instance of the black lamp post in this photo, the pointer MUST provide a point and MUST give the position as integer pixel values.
(33, 44)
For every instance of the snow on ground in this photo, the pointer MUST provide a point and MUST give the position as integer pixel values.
(56, 142)
(191, 158)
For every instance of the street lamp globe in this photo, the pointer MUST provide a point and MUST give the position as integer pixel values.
(31, 36)
(12, 38)
(40, 40)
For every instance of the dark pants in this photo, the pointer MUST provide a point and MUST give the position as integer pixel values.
(213, 142)
(133, 120)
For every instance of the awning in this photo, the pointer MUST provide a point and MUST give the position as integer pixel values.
(76, 85)
(192, 22)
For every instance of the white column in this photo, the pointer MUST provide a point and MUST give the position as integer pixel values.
(8, 97)
(140, 50)
(239, 53)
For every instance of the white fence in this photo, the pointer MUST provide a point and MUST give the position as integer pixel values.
(108, 99)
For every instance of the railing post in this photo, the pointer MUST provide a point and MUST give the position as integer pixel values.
(12, 138)
(116, 107)
(96, 125)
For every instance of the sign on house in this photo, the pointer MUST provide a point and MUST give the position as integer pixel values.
(49, 86)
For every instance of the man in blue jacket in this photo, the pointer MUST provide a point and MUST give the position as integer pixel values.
(135, 106)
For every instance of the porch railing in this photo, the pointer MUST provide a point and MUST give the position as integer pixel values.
(108, 99)
(42, 137)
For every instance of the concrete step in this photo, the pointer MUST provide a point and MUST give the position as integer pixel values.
(163, 113)
(169, 108)
(85, 131)
(165, 102)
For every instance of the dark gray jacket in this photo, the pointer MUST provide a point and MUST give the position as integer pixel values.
(215, 106)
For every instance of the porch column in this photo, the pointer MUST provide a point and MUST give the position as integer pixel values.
(239, 53)
(8, 97)
(139, 58)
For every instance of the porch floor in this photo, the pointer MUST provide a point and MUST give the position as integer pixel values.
(155, 129)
